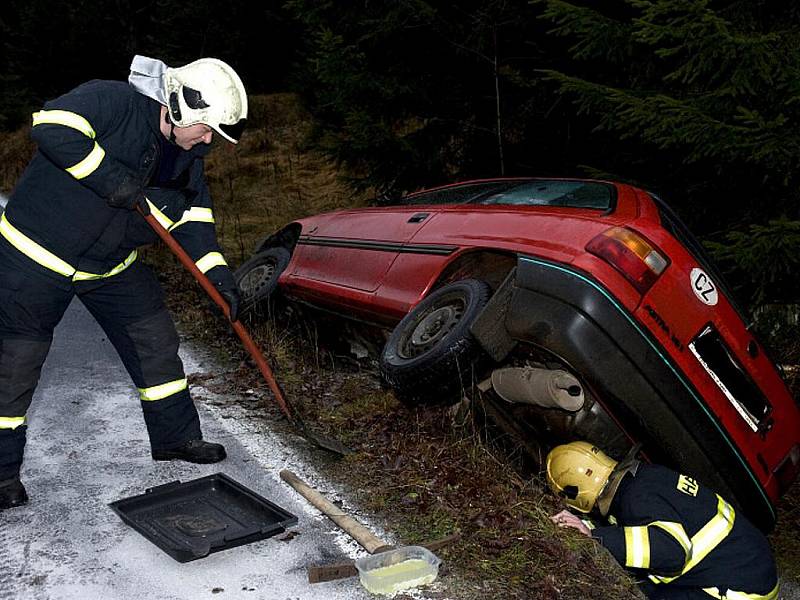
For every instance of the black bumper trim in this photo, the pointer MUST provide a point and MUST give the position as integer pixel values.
(565, 311)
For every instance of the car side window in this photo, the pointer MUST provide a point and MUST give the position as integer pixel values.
(572, 194)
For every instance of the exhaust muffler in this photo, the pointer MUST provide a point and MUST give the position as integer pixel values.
(546, 388)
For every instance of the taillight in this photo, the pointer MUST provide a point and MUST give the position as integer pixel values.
(789, 468)
(632, 255)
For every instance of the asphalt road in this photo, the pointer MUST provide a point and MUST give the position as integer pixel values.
(87, 446)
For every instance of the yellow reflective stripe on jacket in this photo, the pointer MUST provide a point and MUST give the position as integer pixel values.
(89, 164)
(159, 392)
(677, 531)
(66, 118)
(47, 259)
(637, 547)
(84, 276)
(734, 595)
(708, 538)
(197, 214)
(162, 219)
(209, 261)
(11, 422)
(33, 250)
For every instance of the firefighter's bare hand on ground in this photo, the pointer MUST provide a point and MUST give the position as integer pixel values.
(567, 519)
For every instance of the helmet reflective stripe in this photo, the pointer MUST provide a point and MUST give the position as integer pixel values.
(207, 91)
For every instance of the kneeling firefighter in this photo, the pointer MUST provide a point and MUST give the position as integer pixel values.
(680, 539)
(71, 229)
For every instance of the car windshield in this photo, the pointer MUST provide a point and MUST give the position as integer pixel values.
(539, 192)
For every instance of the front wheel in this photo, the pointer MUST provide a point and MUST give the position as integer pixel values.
(431, 353)
(257, 278)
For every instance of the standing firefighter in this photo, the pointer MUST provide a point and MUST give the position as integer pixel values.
(71, 229)
(681, 539)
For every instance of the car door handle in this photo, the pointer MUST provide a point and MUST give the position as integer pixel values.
(418, 218)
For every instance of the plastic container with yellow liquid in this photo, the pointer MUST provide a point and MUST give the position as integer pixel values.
(399, 569)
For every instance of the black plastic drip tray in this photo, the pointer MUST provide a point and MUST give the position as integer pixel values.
(193, 519)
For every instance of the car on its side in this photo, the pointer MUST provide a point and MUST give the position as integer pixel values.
(581, 309)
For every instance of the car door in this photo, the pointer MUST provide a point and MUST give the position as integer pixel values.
(355, 248)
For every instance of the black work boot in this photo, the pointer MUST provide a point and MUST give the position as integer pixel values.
(12, 493)
(194, 451)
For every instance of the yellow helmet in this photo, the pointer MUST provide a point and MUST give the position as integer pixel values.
(579, 472)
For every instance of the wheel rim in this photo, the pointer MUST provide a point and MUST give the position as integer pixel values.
(432, 328)
(256, 281)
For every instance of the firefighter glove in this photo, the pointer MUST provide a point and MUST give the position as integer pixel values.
(223, 280)
(129, 194)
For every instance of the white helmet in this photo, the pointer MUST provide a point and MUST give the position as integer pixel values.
(207, 91)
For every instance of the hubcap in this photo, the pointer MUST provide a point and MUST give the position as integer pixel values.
(256, 281)
(432, 329)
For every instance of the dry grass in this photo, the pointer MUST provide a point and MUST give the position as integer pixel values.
(16, 150)
(269, 179)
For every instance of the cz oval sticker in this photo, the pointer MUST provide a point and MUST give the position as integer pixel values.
(703, 287)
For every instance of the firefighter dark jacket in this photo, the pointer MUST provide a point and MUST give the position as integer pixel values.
(91, 142)
(674, 531)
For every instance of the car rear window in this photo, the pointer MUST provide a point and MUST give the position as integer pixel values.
(458, 194)
(539, 192)
(570, 194)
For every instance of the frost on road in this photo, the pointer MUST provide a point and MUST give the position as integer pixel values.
(87, 446)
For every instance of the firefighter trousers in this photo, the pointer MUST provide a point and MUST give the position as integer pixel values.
(129, 306)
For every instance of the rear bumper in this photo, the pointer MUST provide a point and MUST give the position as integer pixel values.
(569, 314)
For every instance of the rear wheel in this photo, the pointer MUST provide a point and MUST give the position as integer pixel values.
(431, 354)
(257, 278)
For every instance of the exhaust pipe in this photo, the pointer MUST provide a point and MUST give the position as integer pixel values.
(546, 388)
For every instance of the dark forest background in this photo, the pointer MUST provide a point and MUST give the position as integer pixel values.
(697, 101)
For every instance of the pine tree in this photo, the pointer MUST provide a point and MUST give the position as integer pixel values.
(712, 90)
(416, 92)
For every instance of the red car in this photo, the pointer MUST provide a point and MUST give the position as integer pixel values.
(580, 308)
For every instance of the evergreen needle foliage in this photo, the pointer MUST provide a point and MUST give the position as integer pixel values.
(710, 89)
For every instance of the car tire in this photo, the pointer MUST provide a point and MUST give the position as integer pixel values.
(257, 278)
(431, 354)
